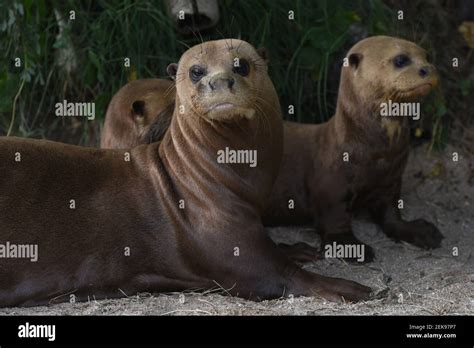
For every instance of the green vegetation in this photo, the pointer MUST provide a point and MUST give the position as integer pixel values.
(82, 59)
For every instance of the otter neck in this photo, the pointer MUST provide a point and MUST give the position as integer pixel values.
(360, 120)
(193, 144)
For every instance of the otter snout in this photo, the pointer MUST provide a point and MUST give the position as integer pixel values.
(423, 71)
(430, 74)
(426, 71)
(221, 80)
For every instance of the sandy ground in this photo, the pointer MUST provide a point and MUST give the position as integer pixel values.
(413, 281)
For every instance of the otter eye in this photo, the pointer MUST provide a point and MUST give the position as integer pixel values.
(196, 73)
(401, 61)
(242, 68)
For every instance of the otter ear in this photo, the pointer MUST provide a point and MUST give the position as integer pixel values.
(138, 108)
(354, 60)
(172, 70)
(262, 52)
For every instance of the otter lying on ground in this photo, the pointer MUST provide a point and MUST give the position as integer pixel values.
(355, 161)
(161, 217)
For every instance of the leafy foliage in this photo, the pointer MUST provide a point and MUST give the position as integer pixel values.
(83, 59)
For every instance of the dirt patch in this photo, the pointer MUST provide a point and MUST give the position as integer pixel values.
(414, 281)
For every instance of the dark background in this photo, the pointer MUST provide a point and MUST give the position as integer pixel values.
(82, 60)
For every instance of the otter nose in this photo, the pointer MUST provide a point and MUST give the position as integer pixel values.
(221, 81)
(424, 71)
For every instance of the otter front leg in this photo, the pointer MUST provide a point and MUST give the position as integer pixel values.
(335, 223)
(418, 232)
(266, 273)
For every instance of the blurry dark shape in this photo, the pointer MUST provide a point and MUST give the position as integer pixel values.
(466, 10)
(466, 16)
(190, 16)
(66, 58)
(357, 32)
(467, 31)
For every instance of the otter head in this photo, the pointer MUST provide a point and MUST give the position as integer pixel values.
(382, 68)
(220, 80)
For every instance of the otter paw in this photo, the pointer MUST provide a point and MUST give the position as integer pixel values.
(341, 245)
(424, 234)
(301, 252)
(342, 290)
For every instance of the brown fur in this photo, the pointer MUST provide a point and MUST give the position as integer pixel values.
(136, 204)
(329, 191)
(131, 116)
